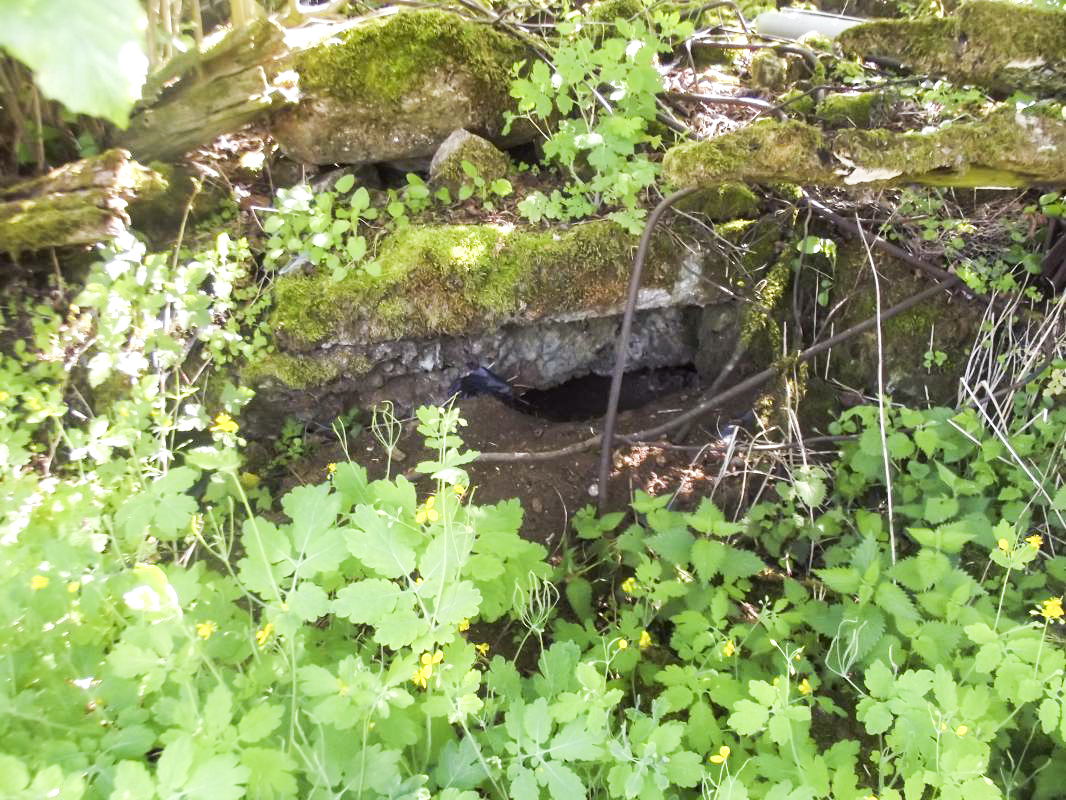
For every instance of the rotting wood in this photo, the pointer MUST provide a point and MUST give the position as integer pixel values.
(80, 203)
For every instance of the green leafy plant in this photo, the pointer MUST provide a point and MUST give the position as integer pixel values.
(610, 83)
(483, 190)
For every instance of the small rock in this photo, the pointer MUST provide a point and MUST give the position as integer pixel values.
(446, 167)
(536, 505)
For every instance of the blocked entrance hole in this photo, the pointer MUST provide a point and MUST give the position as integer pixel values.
(585, 398)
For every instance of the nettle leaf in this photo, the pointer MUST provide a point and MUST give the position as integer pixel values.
(709, 519)
(895, 601)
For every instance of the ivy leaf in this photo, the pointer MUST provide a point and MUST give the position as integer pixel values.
(83, 53)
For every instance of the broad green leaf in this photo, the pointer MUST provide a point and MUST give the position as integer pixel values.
(132, 782)
(366, 602)
(308, 601)
(537, 721)
(563, 782)
(576, 743)
(344, 184)
(270, 774)
(748, 717)
(381, 543)
(261, 720)
(218, 778)
(83, 53)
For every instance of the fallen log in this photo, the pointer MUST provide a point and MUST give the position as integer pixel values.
(80, 203)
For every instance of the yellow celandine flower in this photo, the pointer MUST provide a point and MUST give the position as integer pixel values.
(264, 633)
(1050, 609)
(721, 755)
(459, 489)
(622, 644)
(805, 687)
(961, 730)
(39, 582)
(629, 584)
(427, 512)
(728, 648)
(645, 640)
(4, 395)
(425, 670)
(1036, 540)
(1003, 545)
(73, 586)
(482, 648)
(331, 467)
(224, 423)
(205, 630)
(464, 625)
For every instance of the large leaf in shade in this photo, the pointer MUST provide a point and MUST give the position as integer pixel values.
(84, 53)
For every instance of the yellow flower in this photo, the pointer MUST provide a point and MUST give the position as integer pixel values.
(224, 423)
(805, 687)
(4, 395)
(459, 489)
(645, 640)
(482, 648)
(1036, 540)
(1003, 545)
(629, 584)
(205, 630)
(427, 512)
(1050, 609)
(622, 644)
(39, 582)
(721, 755)
(425, 670)
(331, 467)
(961, 730)
(264, 633)
(728, 648)
(464, 625)
(73, 586)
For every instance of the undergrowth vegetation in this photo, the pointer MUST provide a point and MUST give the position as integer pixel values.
(884, 624)
(887, 625)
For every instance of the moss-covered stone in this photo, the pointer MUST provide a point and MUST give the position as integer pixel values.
(952, 324)
(395, 87)
(382, 59)
(1001, 46)
(295, 372)
(852, 109)
(729, 201)
(768, 71)
(456, 279)
(447, 167)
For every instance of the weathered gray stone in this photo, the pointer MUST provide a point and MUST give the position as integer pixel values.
(394, 88)
(446, 168)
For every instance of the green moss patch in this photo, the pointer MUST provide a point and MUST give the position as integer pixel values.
(381, 61)
(458, 279)
(1001, 46)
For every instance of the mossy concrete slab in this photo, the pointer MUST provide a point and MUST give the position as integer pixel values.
(1004, 149)
(1003, 47)
(395, 87)
(538, 306)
